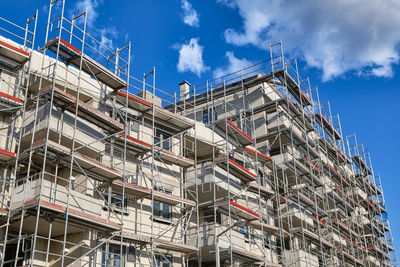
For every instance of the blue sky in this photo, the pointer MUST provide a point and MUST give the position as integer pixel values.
(349, 50)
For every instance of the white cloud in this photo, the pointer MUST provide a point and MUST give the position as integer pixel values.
(106, 37)
(191, 57)
(90, 6)
(190, 16)
(334, 36)
(234, 64)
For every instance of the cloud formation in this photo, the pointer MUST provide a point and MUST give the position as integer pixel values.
(190, 16)
(90, 6)
(334, 36)
(191, 57)
(234, 64)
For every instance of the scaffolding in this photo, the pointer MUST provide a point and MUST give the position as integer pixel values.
(100, 168)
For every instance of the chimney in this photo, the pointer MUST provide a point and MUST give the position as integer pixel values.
(184, 90)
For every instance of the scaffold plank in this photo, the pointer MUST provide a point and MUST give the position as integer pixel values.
(73, 55)
(234, 132)
(6, 155)
(83, 218)
(165, 118)
(14, 53)
(85, 110)
(293, 87)
(9, 103)
(172, 158)
(234, 168)
(264, 191)
(92, 167)
(138, 191)
(327, 126)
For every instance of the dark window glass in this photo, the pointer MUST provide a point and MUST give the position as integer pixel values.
(162, 210)
(205, 116)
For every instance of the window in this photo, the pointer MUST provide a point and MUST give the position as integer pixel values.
(208, 115)
(162, 210)
(209, 217)
(116, 202)
(287, 243)
(205, 116)
(162, 139)
(114, 256)
(266, 240)
(247, 232)
(131, 253)
(163, 261)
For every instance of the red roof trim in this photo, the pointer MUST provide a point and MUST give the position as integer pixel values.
(244, 209)
(242, 168)
(70, 46)
(135, 140)
(16, 49)
(11, 97)
(131, 97)
(257, 152)
(239, 130)
(7, 153)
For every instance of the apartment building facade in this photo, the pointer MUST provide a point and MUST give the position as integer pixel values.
(99, 168)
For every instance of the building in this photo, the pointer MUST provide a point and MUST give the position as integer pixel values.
(99, 168)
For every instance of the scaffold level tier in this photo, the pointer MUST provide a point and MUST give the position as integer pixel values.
(76, 217)
(13, 53)
(83, 164)
(158, 242)
(173, 121)
(255, 154)
(86, 111)
(327, 126)
(236, 134)
(72, 55)
(6, 155)
(138, 192)
(45, 82)
(293, 87)
(9, 103)
(171, 158)
(235, 169)
(237, 210)
(264, 191)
